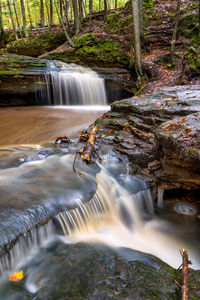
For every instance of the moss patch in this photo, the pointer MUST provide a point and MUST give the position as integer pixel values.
(35, 47)
(13, 64)
(93, 52)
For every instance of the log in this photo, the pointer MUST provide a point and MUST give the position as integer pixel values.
(87, 151)
(184, 288)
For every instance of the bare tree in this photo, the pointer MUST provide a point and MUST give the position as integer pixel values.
(16, 17)
(23, 18)
(174, 34)
(42, 13)
(137, 44)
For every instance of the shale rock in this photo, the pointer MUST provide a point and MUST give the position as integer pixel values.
(161, 130)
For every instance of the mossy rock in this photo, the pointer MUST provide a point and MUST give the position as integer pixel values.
(192, 63)
(91, 51)
(187, 23)
(35, 47)
(14, 64)
(6, 38)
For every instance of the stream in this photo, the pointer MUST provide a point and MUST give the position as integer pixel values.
(44, 201)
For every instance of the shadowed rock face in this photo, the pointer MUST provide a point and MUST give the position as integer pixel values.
(160, 133)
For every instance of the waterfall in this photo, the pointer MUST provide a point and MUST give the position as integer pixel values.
(111, 203)
(25, 247)
(70, 84)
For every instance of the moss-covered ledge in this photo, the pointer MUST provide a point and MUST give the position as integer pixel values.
(36, 46)
(92, 51)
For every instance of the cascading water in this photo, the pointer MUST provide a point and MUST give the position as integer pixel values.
(70, 84)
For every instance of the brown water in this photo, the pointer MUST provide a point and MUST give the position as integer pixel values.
(36, 125)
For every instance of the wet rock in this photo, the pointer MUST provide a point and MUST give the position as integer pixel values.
(163, 127)
(93, 272)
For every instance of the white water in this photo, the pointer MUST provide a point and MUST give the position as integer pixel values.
(119, 218)
(69, 84)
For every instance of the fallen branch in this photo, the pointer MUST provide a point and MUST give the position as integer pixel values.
(87, 151)
(184, 287)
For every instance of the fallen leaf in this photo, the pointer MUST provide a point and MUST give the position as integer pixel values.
(16, 276)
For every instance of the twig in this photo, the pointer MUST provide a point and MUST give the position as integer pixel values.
(184, 288)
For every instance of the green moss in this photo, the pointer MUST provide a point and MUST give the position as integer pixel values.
(86, 39)
(37, 46)
(117, 25)
(92, 51)
(13, 64)
(192, 67)
(187, 23)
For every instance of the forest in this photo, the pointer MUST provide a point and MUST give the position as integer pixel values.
(99, 149)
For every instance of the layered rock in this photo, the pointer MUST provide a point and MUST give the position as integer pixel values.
(160, 134)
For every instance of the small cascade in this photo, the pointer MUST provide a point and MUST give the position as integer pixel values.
(25, 246)
(70, 84)
(111, 204)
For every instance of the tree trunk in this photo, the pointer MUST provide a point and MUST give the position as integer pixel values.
(141, 16)
(100, 5)
(61, 8)
(105, 11)
(80, 4)
(12, 19)
(115, 3)
(47, 8)
(63, 25)
(90, 9)
(16, 17)
(76, 16)
(1, 20)
(199, 15)
(174, 34)
(137, 45)
(66, 11)
(23, 18)
(42, 13)
(51, 12)
(29, 13)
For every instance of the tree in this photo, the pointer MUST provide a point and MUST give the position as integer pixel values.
(90, 9)
(105, 11)
(29, 13)
(51, 12)
(63, 25)
(12, 19)
(174, 34)
(137, 44)
(1, 20)
(42, 13)
(47, 8)
(16, 17)
(23, 18)
(76, 16)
